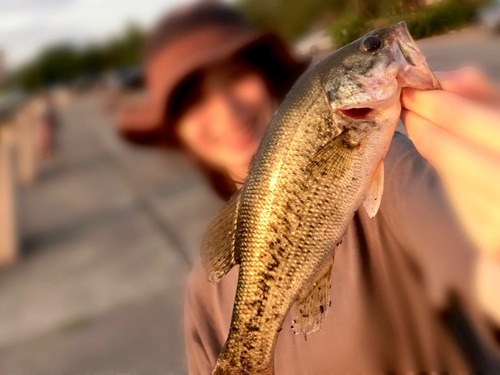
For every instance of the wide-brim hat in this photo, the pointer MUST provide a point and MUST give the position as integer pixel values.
(180, 46)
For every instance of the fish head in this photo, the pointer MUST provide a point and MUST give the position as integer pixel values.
(373, 70)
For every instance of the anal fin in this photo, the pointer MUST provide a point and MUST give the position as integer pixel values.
(312, 305)
(218, 253)
(375, 190)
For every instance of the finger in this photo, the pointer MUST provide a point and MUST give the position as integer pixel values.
(469, 82)
(423, 134)
(472, 121)
(451, 155)
(471, 179)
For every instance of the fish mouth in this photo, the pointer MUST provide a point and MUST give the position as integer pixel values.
(364, 110)
(413, 69)
(407, 44)
(356, 113)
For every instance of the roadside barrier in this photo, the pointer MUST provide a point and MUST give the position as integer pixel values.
(18, 156)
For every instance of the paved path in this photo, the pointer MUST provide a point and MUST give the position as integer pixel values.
(472, 46)
(108, 233)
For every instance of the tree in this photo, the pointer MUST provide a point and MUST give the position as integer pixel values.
(289, 18)
(64, 63)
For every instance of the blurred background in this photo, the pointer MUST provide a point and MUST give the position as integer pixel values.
(97, 235)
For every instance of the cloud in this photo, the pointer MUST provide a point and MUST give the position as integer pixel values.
(27, 26)
(21, 5)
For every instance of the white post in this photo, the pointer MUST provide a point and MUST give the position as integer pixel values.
(8, 219)
(25, 145)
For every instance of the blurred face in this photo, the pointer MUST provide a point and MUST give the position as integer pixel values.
(224, 127)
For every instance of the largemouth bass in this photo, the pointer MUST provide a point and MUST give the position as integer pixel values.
(321, 158)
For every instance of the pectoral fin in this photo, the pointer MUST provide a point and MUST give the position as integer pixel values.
(335, 156)
(375, 190)
(218, 253)
(313, 302)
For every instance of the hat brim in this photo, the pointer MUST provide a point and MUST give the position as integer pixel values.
(145, 122)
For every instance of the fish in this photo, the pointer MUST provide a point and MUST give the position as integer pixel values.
(319, 161)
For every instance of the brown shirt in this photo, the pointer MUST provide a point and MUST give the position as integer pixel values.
(401, 292)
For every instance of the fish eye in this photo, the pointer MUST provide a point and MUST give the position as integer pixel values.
(371, 43)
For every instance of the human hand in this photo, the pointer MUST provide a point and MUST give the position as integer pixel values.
(457, 130)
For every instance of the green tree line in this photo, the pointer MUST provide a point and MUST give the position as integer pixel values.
(64, 62)
(346, 20)
(292, 18)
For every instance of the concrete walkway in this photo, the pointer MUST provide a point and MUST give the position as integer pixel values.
(108, 233)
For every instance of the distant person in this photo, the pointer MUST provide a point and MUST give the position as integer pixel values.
(402, 288)
(48, 123)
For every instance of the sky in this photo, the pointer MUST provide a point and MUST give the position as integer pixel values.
(27, 26)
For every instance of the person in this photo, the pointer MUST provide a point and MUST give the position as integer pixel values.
(402, 288)
(210, 48)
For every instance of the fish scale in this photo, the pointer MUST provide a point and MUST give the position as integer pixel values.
(314, 168)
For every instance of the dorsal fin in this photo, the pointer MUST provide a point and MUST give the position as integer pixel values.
(218, 253)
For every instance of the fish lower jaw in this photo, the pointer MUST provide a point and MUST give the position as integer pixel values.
(356, 113)
(380, 97)
(369, 110)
